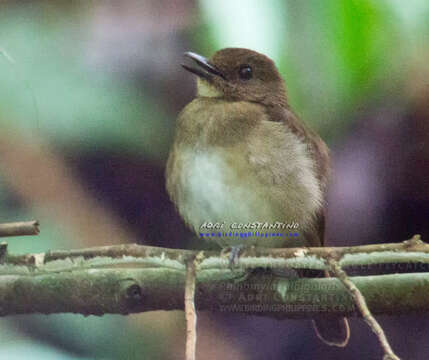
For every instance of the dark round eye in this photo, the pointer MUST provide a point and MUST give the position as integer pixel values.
(245, 72)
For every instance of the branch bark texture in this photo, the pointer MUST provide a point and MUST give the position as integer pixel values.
(132, 278)
(19, 228)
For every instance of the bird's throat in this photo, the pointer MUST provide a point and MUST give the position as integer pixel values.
(205, 89)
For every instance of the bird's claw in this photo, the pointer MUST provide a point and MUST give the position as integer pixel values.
(234, 255)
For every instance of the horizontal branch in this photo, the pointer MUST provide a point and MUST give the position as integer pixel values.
(124, 291)
(134, 278)
(413, 251)
(19, 228)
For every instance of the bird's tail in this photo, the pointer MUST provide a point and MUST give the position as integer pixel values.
(333, 331)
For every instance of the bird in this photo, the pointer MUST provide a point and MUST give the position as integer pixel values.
(244, 163)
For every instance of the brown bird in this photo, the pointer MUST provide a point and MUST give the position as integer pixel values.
(242, 161)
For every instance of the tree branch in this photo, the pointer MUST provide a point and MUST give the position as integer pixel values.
(413, 251)
(133, 278)
(363, 308)
(190, 313)
(19, 228)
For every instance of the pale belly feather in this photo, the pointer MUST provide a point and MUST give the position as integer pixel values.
(218, 187)
(231, 169)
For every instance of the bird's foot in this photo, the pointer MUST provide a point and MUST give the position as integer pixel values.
(234, 255)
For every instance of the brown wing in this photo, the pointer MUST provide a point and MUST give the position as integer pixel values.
(315, 235)
(320, 227)
(319, 152)
(332, 331)
(317, 147)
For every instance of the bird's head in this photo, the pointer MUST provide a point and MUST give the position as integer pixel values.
(237, 74)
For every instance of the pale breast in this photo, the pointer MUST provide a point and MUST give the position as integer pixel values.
(219, 186)
(268, 177)
(218, 189)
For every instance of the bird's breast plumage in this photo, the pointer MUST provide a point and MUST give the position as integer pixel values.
(231, 165)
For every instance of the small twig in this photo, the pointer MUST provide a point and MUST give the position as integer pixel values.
(190, 312)
(413, 251)
(363, 308)
(19, 228)
(9, 58)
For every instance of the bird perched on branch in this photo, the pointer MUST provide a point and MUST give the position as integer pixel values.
(244, 163)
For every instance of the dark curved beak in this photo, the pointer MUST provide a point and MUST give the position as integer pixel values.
(203, 68)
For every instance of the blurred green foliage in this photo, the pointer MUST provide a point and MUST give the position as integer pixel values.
(335, 55)
(47, 87)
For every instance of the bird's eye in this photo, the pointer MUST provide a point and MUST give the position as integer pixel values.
(245, 72)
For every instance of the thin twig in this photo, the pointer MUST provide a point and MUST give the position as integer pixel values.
(19, 228)
(9, 58)
(413, 253)
(407, 252)
(190, 312)
(363, 308)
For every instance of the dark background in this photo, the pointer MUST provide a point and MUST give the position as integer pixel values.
(89, 93)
